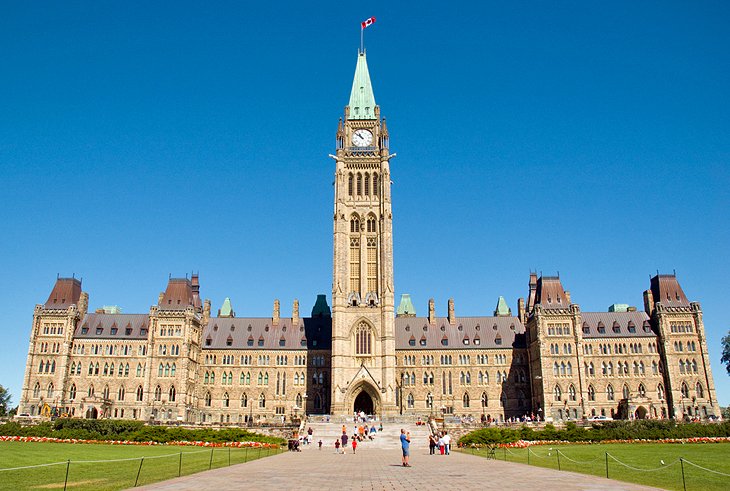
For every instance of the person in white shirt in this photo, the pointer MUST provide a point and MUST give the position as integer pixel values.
(447, 442)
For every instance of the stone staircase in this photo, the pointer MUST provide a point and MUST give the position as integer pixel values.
(389, 438)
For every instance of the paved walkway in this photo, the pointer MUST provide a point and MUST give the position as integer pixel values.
(375, 468)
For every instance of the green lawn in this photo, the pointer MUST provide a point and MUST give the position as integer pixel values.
(591, 459)
(161, 462)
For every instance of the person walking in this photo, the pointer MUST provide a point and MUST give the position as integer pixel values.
(431, 445)
(354, 445)
(344, 442)
(405, 443)
(320, 444)
(441, 444)
(337, 446)
(447, 442)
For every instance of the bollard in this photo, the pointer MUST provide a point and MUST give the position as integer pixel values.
(210, 464)
(136, 480)
(558, 454)
(229, 456)
(606, 465)
(179, 466)
(245, 454)
(65, 482)
(684, 484)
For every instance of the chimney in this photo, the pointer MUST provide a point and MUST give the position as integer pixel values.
(195, 287)
(275, 318)
(533, 292)
(452, 316)
(521, 309)
(295, 314)
(648, 302)
(567, 296)
(206, 311)
(431, 311)
(83, 303)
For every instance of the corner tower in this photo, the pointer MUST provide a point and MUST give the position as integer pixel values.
(363, 340)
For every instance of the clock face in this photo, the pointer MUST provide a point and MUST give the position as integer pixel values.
(362, 138)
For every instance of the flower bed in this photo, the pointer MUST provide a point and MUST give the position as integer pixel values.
(42, 439)
(530, 443)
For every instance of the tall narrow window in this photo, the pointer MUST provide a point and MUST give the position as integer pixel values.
(363, 340)
(359, 184)
(349, 184)
(375, 185)
(372, 257)
(355, 265)
(367, 184)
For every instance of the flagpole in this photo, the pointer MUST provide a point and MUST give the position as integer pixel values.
(362, 47)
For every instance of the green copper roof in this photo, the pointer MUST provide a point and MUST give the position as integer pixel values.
(406, 308)
(227, 309)
(502, 308)
(321, 309)
(362, 99)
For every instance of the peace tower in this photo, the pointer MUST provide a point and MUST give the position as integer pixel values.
(363, 340)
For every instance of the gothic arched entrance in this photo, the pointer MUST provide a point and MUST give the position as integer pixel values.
(364, 403)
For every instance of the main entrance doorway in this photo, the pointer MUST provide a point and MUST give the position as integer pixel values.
(364, 403)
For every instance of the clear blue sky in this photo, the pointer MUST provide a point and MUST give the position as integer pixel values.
(140, 139)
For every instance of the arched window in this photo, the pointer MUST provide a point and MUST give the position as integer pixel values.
(121, 394)
(375, 184)
(172, 393)
(411, 401)
(349, 184)
(160, 370)
(363, 340)
(207, 399)
(167, 370)
(570, 369)
(626, 392)
(571, 392)
(140, 393)
(158, 393)
(172, 370)
(556, 369)
(367, 184)
(262, 401)
(699, 390)
(642, 390)
(91, 390)
(105, 392)
(359, 184)
(591, 393)
(139, 369)
(244, 400)
(609, 392)
(226, 400)
(484, 399)
(49, 393)
(354, 224)
(557, 393)
(660, 391)
(684, 390)
(37, 390)
(72, 392)
(299, 400)
(465, 400)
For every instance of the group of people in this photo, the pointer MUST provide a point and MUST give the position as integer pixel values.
(442, 441)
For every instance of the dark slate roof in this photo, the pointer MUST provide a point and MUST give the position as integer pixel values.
(316, 330)
(620, 320)
(66, 292)
(112, 326)
(510, 329)
(665, 289)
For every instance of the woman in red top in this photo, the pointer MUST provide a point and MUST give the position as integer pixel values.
(354, 445)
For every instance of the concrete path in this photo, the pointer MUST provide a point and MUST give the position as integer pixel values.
(377, 467)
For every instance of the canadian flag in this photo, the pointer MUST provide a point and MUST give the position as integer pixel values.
(368, 22)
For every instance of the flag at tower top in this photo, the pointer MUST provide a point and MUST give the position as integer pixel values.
(368, 22)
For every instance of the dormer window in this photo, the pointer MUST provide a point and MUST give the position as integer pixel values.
(114, 331)
(282, 342)
(261, 341)
(229, 341)
(601, 328)
(128, 331)
(249, 342)
(303, 342)
(632, 326)
(444, 341)
(84, 330)
(498, 340)
(423, 341)
(586, 328)
(466, 341)
(412, 341)
(616, 327)
(477, 341)
(99, 330)
(208, 341)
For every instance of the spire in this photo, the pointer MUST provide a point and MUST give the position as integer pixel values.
(502, 309)
(227, 309)
(362, 99)
(405, 308)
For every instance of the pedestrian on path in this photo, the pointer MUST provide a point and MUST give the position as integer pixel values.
(354, 445)
(344, 442)
(337, 446)
(405, 443)
(320, 444)
(447, 442)
(431, 445)
(441, 444)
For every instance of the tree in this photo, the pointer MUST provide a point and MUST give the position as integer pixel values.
(726, 352)
(4, 400)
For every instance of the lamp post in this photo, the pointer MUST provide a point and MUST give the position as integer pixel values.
(304, 405)
(400, 389)
(429, 400)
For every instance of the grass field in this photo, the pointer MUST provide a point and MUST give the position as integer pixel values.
(644, 458)
(161, 462)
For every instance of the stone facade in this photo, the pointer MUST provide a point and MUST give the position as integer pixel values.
(179, 363)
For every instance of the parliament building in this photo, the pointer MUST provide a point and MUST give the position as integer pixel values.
(181, 363)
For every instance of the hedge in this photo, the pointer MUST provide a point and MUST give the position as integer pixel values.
(105, 429)
(599, 431)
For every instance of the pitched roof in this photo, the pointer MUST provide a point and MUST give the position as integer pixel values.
(550, 293)
(616, 324)
(320, 307)
(66, 292)
(316, 332)
(406, 306)
(113, 326)
(178, 295)
(227, 309)
(362, 99)
(665, 289)
(502, 308)
(461, 335)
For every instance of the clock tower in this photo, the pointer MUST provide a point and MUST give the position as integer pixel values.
(363, 317)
